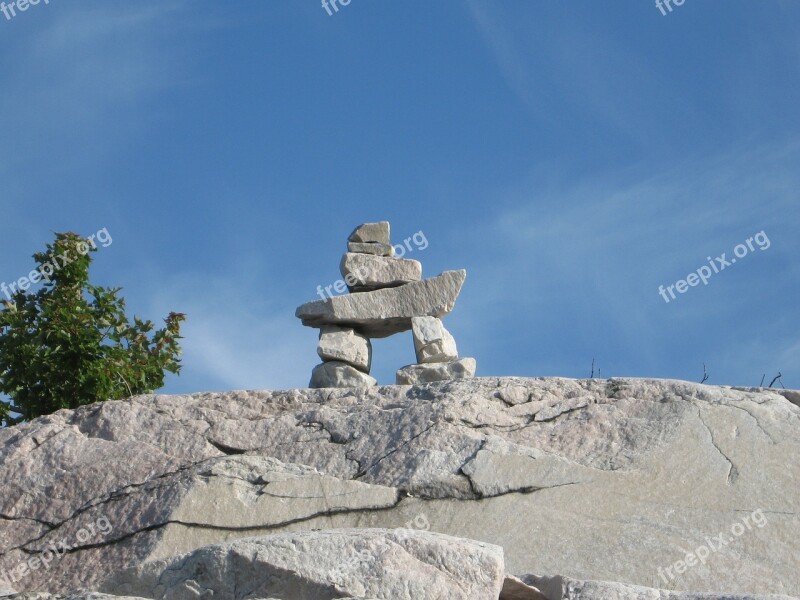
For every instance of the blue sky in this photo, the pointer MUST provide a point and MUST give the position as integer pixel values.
(573, 157)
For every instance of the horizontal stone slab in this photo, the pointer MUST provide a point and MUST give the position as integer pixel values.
(371, 248)
(381, 313)
(365, 272)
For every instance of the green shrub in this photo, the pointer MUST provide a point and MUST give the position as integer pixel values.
(70, 343)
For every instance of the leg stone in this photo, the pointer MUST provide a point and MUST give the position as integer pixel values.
(346, 345)
(335, 374)
(432, 342)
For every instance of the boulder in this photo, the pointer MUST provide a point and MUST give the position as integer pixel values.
(337, 374)
(427, 373)
(324, 565)
(365, 272)
(371, 248)
(381, 313)
(432, 342)
(375, 233)
(344, 344)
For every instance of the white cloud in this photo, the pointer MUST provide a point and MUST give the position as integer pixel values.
(235, 337)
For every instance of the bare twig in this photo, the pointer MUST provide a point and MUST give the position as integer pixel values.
(777, 377)
(762, 380)
(592, 375)
(122, 379)
(705, 374)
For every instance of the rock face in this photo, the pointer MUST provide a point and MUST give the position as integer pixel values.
(388, 311)
(565, 588)
(650, 483)
(369, 563)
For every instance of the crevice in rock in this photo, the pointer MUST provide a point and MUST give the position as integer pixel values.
(113, 496)
(758, 423)
(472, 487)
(226, 450)
(194, 525)
(400, 447)
(333, 438)
(525, 490)
(561, 414)
(47, 524)
(733, 472)
(500, 428)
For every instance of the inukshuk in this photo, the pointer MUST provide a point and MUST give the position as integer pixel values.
(387, 296)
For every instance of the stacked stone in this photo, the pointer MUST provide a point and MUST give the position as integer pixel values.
(369, 262)
(346, 359)
(437, 356)
(388, 295)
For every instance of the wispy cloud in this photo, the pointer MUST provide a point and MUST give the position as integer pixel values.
(74, 80)
(235, 337)
(590, 254)
(570, 67)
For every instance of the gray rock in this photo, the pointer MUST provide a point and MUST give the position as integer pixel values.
(432, 342)
(336, 374)
(515, 589)
(388, 311)
(346, 345)
(605, 480)
(565, 588)
(461, 368)
(230, 496)
(323, 565)
(376, 233)
(371, 248)
(69, 596)
(365, 272)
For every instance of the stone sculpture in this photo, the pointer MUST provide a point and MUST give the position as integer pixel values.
(387, 296)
